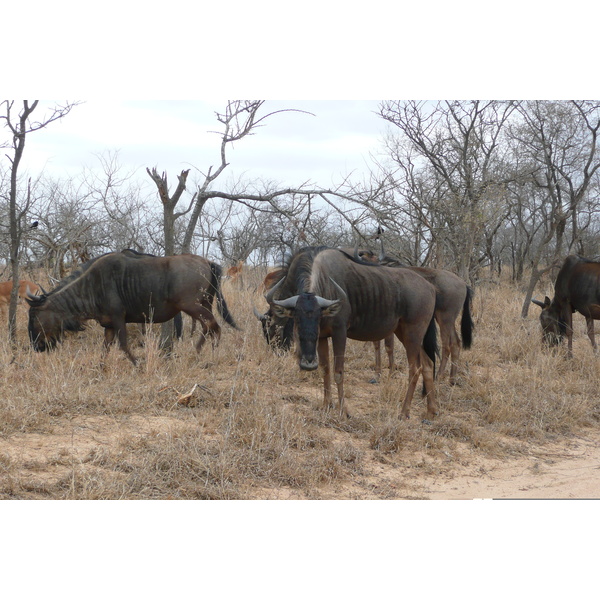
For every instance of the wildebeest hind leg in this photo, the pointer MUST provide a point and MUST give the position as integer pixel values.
(413, 353)
(454, 355)
(429, 385)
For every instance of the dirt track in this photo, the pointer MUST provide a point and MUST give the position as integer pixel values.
(569, 468)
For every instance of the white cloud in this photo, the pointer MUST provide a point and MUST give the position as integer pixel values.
(291, 147)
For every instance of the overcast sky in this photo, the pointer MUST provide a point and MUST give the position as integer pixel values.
(291, 148)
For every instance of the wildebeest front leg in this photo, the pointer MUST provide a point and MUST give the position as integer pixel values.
(122, 336)
(339, 351)
(323, 354)
(377, 348)
(589, 321)
(109, 338)
(569, 332)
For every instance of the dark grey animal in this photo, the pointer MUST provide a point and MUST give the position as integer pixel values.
(177, 319)
(577, 288)
(330, 295)
(116, 288)
(453, 296)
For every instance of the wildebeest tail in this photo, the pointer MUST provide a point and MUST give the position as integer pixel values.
(466, 322)
(430, 345)
(430, 342)
(221, 304)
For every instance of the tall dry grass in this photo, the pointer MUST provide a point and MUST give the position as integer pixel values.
(243, 422)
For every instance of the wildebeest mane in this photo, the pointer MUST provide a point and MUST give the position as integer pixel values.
(297, 268)
(75, 274)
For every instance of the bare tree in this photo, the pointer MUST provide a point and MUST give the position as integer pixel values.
(20, 125)
(451, 151)
(561, 140)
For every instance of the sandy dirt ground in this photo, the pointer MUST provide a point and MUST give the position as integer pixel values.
(568, 468)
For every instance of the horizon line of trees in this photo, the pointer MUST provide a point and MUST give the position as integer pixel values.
(469, 186)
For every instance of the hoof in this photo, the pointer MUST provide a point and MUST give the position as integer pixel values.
(427, 422)
(374, 380)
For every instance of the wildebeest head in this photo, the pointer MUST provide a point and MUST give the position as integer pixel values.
(553, 325)
(306, 310)
(278, 332)
(46, 328)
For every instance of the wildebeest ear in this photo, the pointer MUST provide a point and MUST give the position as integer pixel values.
(283, 312)
(331, 310)
(547, 301)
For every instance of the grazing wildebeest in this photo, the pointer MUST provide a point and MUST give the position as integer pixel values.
(453, 295)
(278, 332)
(116, 288)
(328, 294)
(577, 288)
(177, 319)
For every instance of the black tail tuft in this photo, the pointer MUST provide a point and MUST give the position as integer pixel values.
(466, 322)
(430, 345)
(221, 304)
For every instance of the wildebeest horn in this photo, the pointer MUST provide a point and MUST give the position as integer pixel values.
(287, 303)
(29, 295)
(269, 294)
(259, 315)
(324, 303)
(339, 289)
(538, 303)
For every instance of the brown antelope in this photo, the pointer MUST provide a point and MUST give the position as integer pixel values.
(24, 286)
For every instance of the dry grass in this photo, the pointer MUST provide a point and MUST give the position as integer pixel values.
(243, 422)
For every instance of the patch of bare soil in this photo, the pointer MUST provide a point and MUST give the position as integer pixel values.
(569, 468)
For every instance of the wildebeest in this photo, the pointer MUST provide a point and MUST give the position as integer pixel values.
(177, 319)
(116, 288)
(24, 287)
(577, 288)
(328, 294)
(453, 295)
(279, 332)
